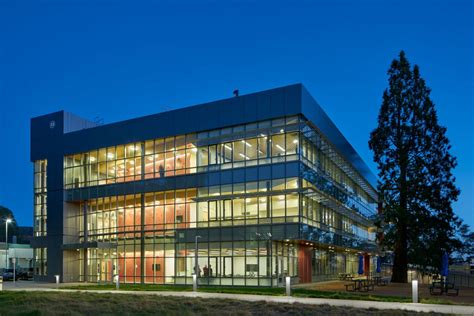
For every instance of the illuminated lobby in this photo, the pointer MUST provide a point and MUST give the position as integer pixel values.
(262, 186)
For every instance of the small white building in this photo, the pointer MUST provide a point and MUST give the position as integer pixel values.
(22, 253)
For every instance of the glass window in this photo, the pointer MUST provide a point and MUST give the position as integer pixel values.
(238, 208)
(159, 145)
(263, 147)
(239, 151)
(180, 142)
(213, 154)
(262, 206)
(292, 204)
(129, 150)
(227, 152)
(203, 156)
(278, 205)
(169, 144)
(111, 153)
(278, 145)
(102, 154)
(213, 214)
(149, 147)
(251, 149)
(292, 143)
(180, 160)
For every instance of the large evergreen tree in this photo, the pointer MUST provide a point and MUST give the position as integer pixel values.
(415, 179)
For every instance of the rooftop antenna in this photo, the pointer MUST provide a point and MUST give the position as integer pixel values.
(236, 92)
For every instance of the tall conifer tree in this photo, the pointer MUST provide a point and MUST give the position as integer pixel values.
(415, 166)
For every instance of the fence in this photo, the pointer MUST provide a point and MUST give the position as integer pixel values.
(461, 279)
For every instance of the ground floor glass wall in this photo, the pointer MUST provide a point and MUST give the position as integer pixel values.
(238, 263)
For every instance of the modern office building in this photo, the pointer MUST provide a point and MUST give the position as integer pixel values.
(264, 185)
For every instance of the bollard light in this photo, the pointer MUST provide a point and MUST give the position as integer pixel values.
(57, 279)
(194, 282)
(288, 286)
(117, 282)
(414, 289)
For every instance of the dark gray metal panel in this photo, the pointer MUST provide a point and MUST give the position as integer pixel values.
(46, 135)
(245, 109)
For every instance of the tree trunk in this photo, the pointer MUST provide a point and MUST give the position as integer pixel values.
(400, 261)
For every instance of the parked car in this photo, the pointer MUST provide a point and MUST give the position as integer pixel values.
(22, 274)
(8, 275)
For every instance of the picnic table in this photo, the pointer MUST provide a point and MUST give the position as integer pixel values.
(362, 285)
(440, 287)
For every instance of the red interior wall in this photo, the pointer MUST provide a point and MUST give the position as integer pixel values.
(366, 264)
(304, 264)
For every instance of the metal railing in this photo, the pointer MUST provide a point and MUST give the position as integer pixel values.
(461, 279)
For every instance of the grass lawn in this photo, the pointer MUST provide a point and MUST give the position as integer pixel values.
(260, 291)
(80, 303)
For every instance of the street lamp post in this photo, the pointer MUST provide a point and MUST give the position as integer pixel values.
(196, 266)
(7, 221)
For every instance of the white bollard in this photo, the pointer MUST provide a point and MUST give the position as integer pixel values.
(117, 282)
(57, 280)
(414, 289)
(288, 286)
(194, 282)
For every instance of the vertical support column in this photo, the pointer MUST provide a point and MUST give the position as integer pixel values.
(142, 238)
(86, 239)
(367, 265)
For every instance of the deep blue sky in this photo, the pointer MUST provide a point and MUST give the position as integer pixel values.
(119, 60)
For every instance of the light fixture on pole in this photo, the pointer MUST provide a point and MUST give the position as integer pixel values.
(196, 266)
(7, 221)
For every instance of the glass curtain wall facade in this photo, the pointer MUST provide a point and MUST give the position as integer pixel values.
(146, 232)
(40, 214)
(264, 191)
(255, 144)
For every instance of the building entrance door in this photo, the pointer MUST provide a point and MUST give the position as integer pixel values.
(107, 269)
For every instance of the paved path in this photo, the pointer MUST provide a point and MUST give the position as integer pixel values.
(446, 309)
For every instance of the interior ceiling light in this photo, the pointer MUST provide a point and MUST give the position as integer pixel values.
(247, 144)
(279, 147)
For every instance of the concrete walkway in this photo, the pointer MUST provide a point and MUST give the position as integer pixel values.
(445, 309)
